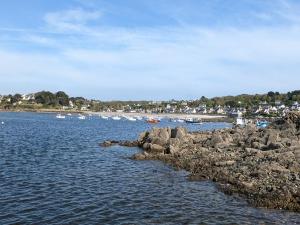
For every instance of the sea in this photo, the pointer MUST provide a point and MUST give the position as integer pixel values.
(53, 171)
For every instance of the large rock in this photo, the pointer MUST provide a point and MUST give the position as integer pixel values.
(178, 132)
(216, 139)
(159, 136)
(142, 137)
(154, 148)
(260, 164)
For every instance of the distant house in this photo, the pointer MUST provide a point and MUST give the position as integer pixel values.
(184, 103)
(273, 110)
(219, 110)
(295, 106)
(267, 111)
(282, 106)
(263, 103)
(28, 97)
(85, 107)
(71, 104)
(156, 102)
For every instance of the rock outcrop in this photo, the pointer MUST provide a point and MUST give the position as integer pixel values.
(261, 164)
(110, 143)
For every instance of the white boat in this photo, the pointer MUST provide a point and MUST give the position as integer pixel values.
(131, 118)
(69, 114)
(104, 117)
(180, 121)
(2, 122)
(81, 117)
(139, 118)
(59, 116)
(240, 121)
(116, 118)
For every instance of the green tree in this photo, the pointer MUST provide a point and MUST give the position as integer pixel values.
(62, 98)
(46, 98)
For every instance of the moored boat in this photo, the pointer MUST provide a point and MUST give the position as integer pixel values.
(131, 118)
(152, 121)
(81, 117)
(262, 124)
(116, 118)
(194, 121)
(60, 116)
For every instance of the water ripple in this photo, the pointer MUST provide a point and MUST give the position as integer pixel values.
(53, 172)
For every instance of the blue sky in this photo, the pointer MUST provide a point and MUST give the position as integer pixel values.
(142, 49)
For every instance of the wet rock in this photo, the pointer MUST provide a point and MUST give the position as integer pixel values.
(106, 144)
(262, 165)
(129, 143)
(140, 156)
(110, 143)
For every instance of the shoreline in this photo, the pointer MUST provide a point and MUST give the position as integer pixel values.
(261, 165)
(211, 118)
(204, 118)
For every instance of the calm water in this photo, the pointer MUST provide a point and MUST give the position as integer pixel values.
(53, 172)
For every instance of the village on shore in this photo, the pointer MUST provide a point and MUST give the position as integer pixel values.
(270, 105)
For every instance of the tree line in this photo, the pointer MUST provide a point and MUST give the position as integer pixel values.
(60, 98)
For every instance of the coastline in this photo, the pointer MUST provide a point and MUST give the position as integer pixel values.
(204, 118)
(261, 165)
(208, 118)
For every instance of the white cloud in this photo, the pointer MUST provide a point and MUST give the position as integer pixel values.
(70, 20)
(161, 62)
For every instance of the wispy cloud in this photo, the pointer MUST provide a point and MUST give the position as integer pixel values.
(182, 61)
(70, 20)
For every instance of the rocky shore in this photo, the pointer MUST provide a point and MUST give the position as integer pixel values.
(262, 165)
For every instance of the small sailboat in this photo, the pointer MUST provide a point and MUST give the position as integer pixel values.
(81, 117)
(60, 116)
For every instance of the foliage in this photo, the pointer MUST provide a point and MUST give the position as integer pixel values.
(47, 98)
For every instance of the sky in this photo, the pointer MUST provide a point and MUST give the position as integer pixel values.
(149, 50)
